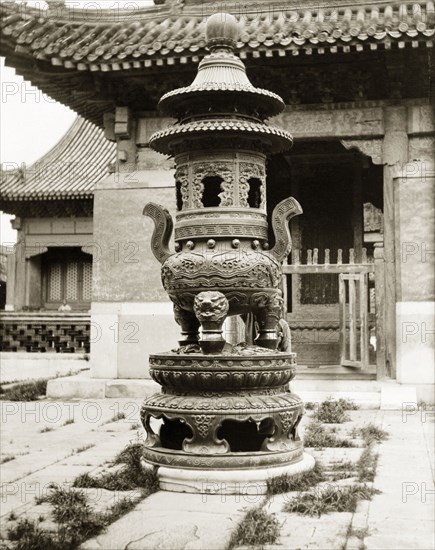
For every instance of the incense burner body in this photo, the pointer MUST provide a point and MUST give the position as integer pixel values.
(221, 240)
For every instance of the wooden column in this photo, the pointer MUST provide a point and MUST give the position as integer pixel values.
(10, 278)
(381, 370)
(357, 214)
(395, 154)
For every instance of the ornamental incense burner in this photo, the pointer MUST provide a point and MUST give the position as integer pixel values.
(223, 408)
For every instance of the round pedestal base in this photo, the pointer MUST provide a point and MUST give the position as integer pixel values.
(245, 482)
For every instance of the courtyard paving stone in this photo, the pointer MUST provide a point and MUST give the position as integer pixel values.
(400, 517)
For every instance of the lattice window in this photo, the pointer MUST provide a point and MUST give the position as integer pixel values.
(87, 281)
(71, 282)
(68, 280)
(55, 282)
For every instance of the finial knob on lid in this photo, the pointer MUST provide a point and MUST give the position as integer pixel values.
(222, 29)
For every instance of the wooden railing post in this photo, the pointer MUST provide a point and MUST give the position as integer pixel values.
(285, 290)
(381, 367)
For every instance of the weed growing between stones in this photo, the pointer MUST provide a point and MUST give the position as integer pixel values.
(46, 429)
(69, 421)
(358, 533)
(300, 482)
(83, 448)
(257, 527)
(333, 411)
(330, 499)
(370, 433)
(28, 535)
(28, 391)
(342, 470)
(131, 476)
(318, 436)
(75, 518)
(115, 418)
(7, 458)
(367, 464)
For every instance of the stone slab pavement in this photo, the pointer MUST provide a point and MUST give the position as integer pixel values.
(47, 441)
(401, 517)
(175, 521)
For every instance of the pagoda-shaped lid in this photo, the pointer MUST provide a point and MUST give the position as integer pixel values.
(221, 71)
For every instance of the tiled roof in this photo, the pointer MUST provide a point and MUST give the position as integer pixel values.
(109, 40)
(69, 170)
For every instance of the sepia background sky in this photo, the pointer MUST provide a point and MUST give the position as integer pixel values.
(30, 122)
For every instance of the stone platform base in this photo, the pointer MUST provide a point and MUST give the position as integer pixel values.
(18, 366)
(83, 386)
(368, 394)
(248, 483)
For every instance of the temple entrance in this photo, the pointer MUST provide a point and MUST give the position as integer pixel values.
(66, 279)
(330, 281)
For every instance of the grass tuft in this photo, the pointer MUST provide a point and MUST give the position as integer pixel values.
(358, 533)
(257, 527)
(75, 518)
(131, 476)
(29, 536)
(27, 391)
(120, 508)
(330, 499)
(299, 482)
(318, 436)
(7, 458)
(343, 470)
(83, 448)
(333, 411)
(69, 421)
(115, 418)
(372, 433)
(46, 429)
(367, 464)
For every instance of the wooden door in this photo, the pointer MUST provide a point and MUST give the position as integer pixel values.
(353, 307)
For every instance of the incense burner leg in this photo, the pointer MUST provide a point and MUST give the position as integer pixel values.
(189, 326)
(211, 309)
(268, 318)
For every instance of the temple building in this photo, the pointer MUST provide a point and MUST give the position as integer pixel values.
(358, 85)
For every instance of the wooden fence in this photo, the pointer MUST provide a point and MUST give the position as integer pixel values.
(353, 300)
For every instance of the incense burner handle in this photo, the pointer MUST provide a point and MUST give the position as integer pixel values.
(282, 214)
(163, 226)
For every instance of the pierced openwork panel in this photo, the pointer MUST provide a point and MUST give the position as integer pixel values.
(71, 282)
(249, 196)
(87, 281)
(182, 182)
(55, 282)
(202, 176)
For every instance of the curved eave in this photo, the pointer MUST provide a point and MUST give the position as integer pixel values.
(174, 103)
(70, 170)
(273, 138)
(109, 41)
